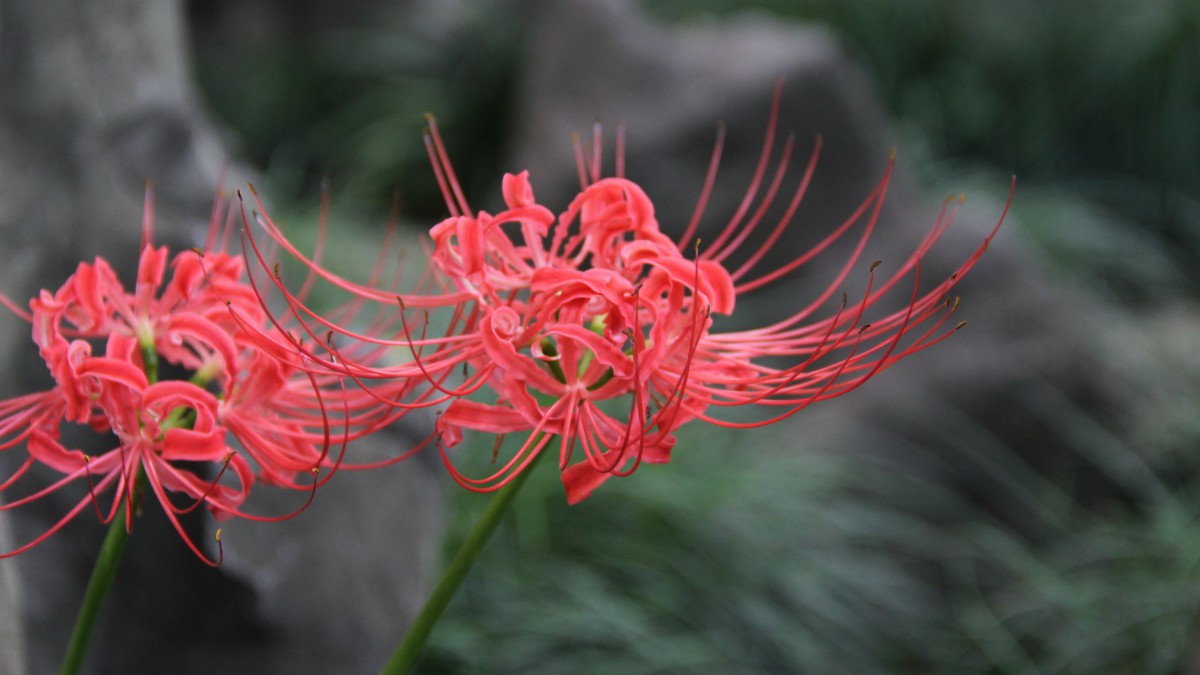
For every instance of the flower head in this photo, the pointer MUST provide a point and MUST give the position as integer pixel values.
(592, 332)
(249, 411)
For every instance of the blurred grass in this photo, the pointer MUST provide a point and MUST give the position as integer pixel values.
(841, 562)
(823, 562)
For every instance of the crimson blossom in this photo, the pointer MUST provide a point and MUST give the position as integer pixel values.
(250, 412)
(591, 332)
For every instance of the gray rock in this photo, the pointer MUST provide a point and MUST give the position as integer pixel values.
(12, 634)
(95, 99)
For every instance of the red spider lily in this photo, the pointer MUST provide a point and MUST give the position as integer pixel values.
(157, 426)
(596, 328)
(251, 410)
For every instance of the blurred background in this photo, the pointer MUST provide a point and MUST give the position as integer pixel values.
(1061, 538)
(1023, 501)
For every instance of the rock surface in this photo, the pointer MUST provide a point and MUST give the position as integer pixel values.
(96, 98)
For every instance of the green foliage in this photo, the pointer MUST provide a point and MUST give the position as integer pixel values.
(1099, 99)
(773, 559)
(698, 567)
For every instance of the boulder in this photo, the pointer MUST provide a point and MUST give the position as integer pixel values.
(97, 99)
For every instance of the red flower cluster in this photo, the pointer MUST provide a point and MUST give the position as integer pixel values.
(592, 331)
(250, 411)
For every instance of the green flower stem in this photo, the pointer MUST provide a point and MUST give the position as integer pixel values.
(418, 633)
(150, 361)
(109, 558)
(93, 598)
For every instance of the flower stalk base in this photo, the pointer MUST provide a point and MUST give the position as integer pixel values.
(414, 640)
(98, 586)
